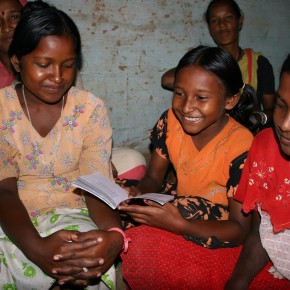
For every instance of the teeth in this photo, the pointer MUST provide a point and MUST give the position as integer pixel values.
(194, 119)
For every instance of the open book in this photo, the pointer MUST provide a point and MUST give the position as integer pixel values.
(111, 193)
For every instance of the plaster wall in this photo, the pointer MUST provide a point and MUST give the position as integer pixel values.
(129, 44)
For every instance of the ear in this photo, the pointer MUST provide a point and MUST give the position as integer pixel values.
(241, 22)
(16, 63)
(232, 101)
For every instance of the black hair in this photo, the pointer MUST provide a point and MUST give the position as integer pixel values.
(221, 63)
(233, 5)
(285, 66)
(39, 20)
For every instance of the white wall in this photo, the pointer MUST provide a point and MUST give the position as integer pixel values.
(129, 44)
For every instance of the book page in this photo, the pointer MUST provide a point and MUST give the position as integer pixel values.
(107, 189)
(111, 193)
(157, 197)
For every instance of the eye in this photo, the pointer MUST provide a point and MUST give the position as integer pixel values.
(201, 98)
(42, 65)
(15, 17)
(178, 93)
(230, 17)
(279, 103)
(69, 64)
(213, 21)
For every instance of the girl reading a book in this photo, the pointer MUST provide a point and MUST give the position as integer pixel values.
(52, 233)
(194, 242)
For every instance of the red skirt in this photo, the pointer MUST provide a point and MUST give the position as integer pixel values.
(158, 259)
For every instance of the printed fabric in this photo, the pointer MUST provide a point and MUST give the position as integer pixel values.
(17, 272)
(78, 144)
(206, 178)
(266, 180)
(6, 78)
(208, 173)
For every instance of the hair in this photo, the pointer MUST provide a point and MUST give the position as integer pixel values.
(285, 66)
(39, 20)
(221, 63)
(233, 5)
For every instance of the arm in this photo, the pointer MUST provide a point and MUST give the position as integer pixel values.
(112, 242)
(167, 217)
(251, 261)
(159, 161)
(16, 224)
(95, 155)
(167, 80)
(153, 179)
(14, 218)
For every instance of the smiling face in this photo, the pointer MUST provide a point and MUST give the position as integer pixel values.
(224, 24)
(282, 113)
(48, 72)
(199, 102)
(9, 17)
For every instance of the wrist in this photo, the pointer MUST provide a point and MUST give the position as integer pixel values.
(236, 283)
(34, 248)
(125, 239)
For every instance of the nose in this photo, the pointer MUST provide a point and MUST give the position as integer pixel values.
(221, 22)
(189, 104)
(284, 123)
(56, 74)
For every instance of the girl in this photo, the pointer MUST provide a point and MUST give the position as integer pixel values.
(51, 133)
(10, 11)
(225, 21)
(265, 186)
(200, 135)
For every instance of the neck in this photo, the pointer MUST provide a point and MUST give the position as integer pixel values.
(234, 50)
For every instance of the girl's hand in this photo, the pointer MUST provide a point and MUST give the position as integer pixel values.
(45, 255)
(133, 191)
(165, 217)
(90, 262)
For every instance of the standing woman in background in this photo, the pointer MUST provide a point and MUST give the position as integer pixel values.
(225, 21)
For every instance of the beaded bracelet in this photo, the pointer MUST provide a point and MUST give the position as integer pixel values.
(126, 240)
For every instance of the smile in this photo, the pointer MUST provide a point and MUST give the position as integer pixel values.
(285, 140)
(193, 119)
(53, 89)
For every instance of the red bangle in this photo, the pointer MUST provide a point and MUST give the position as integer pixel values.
(126, 240)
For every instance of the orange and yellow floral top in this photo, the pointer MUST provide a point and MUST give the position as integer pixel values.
(78, 144)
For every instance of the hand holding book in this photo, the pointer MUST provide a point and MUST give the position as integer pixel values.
(111, 193)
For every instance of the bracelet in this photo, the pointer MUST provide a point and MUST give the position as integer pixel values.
(126, 240)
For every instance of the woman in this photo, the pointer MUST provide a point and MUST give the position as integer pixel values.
(51, 133)
(10, 12)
